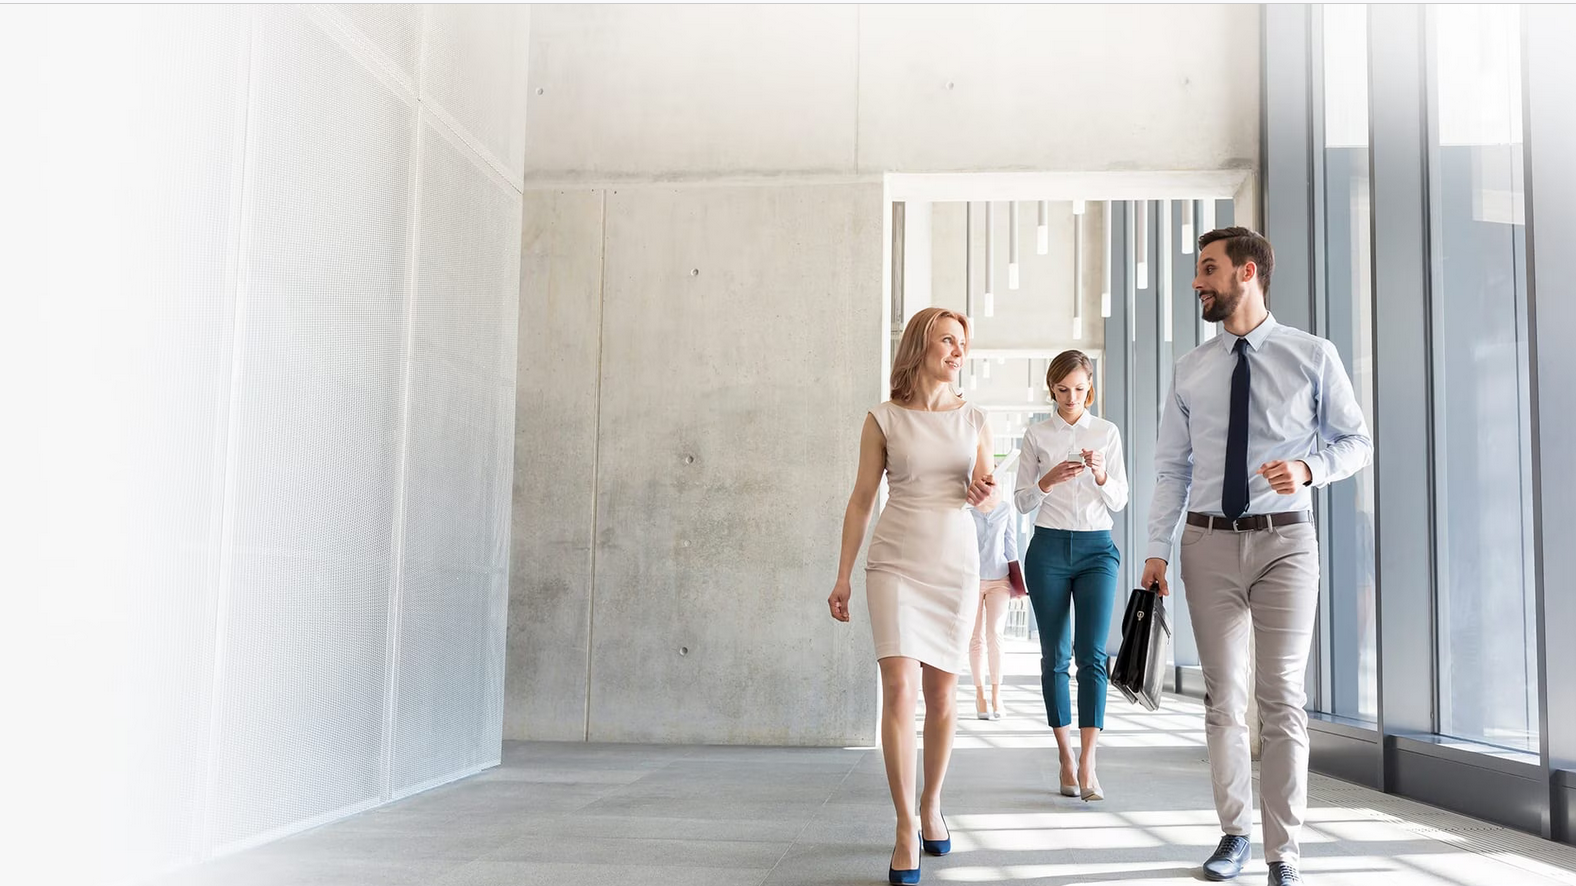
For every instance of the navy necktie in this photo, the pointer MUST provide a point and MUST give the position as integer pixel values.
(1234, 492)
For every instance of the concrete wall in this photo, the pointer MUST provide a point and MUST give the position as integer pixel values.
(703, 280)
(697, 362)
(555, 468)
(666, 91)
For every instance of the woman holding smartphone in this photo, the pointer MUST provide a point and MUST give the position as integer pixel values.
(1071, 477)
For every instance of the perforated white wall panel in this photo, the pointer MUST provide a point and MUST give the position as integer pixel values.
(317, 436)
(449, 718)
(171, 346)
(475, 74)
(262, 363)
(394, 29)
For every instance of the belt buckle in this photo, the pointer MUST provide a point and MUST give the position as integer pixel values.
(1234, 526)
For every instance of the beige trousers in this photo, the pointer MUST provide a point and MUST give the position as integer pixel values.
(1265, 582)
(988, 624)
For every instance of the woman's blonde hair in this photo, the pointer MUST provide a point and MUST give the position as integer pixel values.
(911, 349)
(1064, 365)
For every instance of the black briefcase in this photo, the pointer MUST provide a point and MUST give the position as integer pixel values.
(1140, 667)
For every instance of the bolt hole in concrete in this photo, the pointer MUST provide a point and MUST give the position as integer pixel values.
(689, 459)
(540, 90)
(951, 85)
(694, 272)
(683, 650)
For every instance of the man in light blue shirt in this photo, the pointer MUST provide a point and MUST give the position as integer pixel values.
(1255, 419)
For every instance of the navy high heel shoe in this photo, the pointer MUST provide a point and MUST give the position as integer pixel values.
(905, 878)
(937, 847)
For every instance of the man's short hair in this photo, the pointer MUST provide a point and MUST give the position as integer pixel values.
(1243, 245)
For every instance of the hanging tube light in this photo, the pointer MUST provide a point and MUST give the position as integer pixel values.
(1012, 244)
(1165, 270)
(968, 262)
(990, 259)
(1206, 223)
(1141, 243)
(1077, 276)
(1132, 287)
(1105, 280)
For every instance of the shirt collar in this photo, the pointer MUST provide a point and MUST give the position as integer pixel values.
(1256, 338)
(1083, 420)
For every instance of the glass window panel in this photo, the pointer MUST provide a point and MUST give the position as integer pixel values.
(1485, 610)
(1348, 628)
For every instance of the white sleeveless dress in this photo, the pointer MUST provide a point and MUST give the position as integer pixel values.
(922, 573)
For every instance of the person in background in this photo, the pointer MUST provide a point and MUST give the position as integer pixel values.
(1071, 477)
(998, 540)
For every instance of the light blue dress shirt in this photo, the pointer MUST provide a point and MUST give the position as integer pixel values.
(1300, 406)
(998, 539)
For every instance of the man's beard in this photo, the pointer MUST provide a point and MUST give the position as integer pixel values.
(1223, 305)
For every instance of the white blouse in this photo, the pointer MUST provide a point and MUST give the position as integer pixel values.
(1078, 504)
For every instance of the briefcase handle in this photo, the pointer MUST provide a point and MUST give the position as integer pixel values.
(1138, 611)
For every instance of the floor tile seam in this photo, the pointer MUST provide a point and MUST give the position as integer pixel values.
(509, 843)
(811, 819)
(613, 789)
(451, 873)
(607, 791)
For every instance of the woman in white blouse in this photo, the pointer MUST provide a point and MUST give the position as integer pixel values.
(1071, 477)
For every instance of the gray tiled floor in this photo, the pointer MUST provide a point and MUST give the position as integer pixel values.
(569, 814)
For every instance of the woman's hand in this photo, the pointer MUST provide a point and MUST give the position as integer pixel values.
(1063, 472)
(838, 601)
(981, 490)
(1095, 459)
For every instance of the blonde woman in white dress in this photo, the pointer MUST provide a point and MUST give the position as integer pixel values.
(922, 571)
